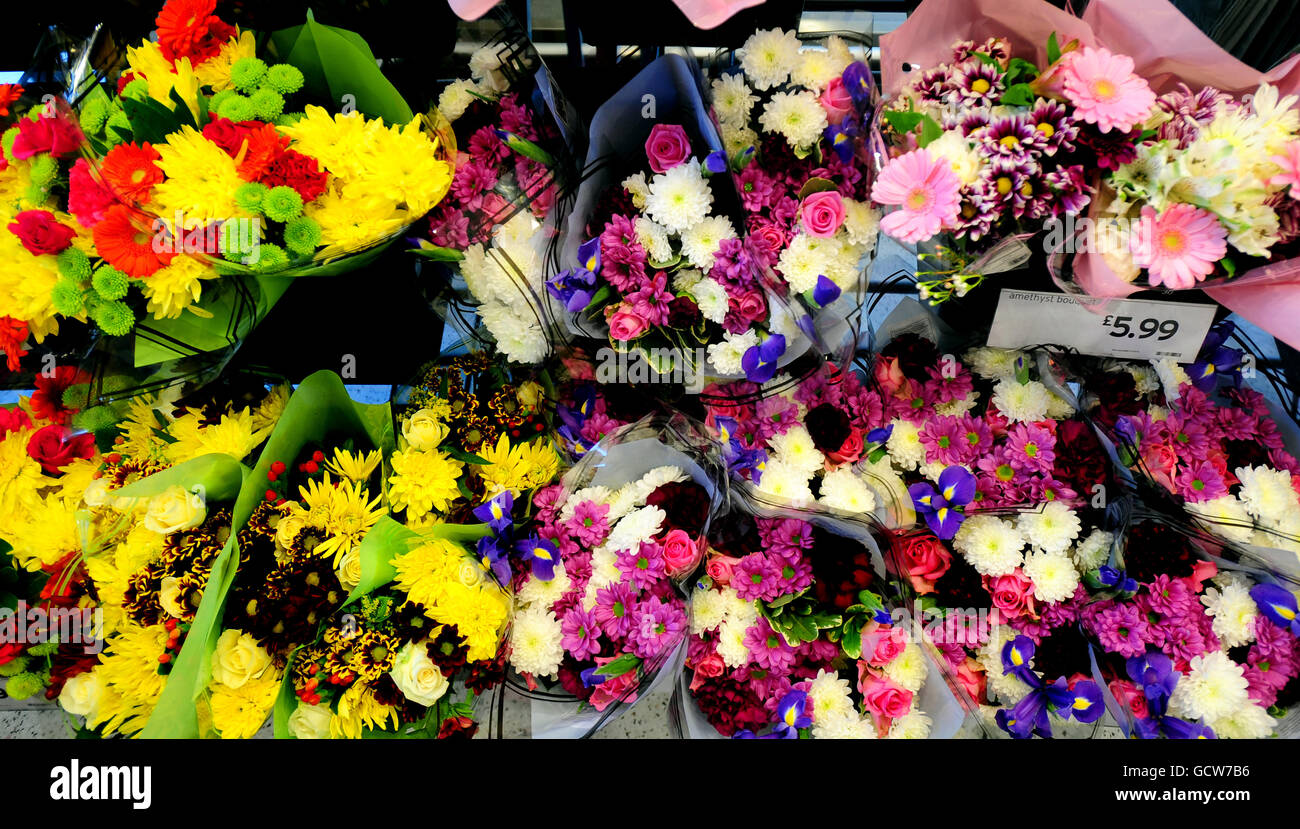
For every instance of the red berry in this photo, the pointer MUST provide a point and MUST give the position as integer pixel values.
(310, 467)
(170, 624)
(113, 457)
(318, 456)
(271, 495)
(164, 658)
(278, 467)
(272, 477)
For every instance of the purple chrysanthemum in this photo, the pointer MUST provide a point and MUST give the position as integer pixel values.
(581, 633)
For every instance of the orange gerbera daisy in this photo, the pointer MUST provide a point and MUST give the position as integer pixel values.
(128, 245)
(189, 29)
(9, 92)
(130, 173)
(261, 146)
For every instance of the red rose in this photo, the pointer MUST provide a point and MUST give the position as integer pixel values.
(40, 232)
(9, 651)
(227, 134)
(707, 668)
(1131, 697)
(924, 561)
(1013, 594)
(667, 147)
(51, 134)
(55, 447)
(752, 306)
(302, 173)
(850, 450)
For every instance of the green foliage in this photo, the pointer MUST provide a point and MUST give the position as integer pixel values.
(246, 74)
(110, 283)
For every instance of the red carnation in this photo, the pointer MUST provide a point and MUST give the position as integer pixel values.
(51, 134)
(54, 447)
(40, 232)
(301, 172)
(13, 333)
(13, 420)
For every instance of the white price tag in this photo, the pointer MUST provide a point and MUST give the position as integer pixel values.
(1132, 329)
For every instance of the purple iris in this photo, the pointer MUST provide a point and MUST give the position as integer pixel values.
(716, 162)
(859, 83)
(494, 555)
(543, 554)
(1115, 579)
(879, 436)
(826, 291)
(1216, 359)
(759, 361)
(590, 677)
(574, 287)
(1154, 671)
(791, 715)
(496, 512)
(1028, 717)
(940, 507)
(1016, 655)
(1278, 606)
(840, 136)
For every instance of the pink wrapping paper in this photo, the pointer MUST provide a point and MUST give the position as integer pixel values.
(705, 14)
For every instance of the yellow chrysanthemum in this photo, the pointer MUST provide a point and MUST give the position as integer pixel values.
(479, 614)
(20, 478)
(349, 515)
(402, 167)
(214, 72)
(15, 181)
(233, 435)
(347, 225)
(137, 430)
(239, 713)
(129, 668)
(201, 180)
(425, 572)
(337, 141)
(47, 535)
(423, 481)
(357, 710)
(519, 468)
(25, 285)
(355, 466)
(175, 287)
(75, 478)
(267, 413)
(147, 61)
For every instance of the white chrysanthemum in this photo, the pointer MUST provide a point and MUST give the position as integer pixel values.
(535, 647)
(708, 610)
(635, 528)
(484, 64)
(541, 593)
(842, 489)
(1093, 551)
(1058, 408)
(797, 116)
(785, 483)
(992, 546)
(956, 149)
(1215, 687)
(780, 320)
(1234, 613)
(654, 238)
(731, 644)
(637, 188)
(1249, 722)
(904, 445)
(518, 336)
(1266, 493)
(1022, 403)
(1053, 575)
(909, 669)
(1171, 376)
(743, 612)
(656, 478)
(992, 363)
(861, 223)
(804, 259)
(621, 501)
(726, 355)
(685, 280)
(961, 406)
(700, 242)
(1144, 377)
(712, 299)
(842, 263)
(733, 99)
(1225, 516)
(846, 726)
(679, 198)
(768, 56)
(814, 69)
(795, 448)
(1007, 688)
(1052, 529)
(932, 471)
(829, 695)
(735, 139)
(914, 725)
(604, 568)
(456, 98)
(839, 51)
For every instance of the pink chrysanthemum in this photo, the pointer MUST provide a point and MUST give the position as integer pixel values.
(1105, 91)
(1289, 161)
(1180, 246)
(925, 188)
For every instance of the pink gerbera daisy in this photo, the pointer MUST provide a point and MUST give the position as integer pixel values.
(1180, 247)
(1105, 91)
(925, 188)
(1289, 161)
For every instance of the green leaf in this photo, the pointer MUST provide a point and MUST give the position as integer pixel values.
(986, 59)
(620, 665)
(438, 254)
(597, 299)
(903, 122)
(816, 184)
(666, 264)
(930, 131)
(184, 116)
(529, 150)
(150, 120)
(1022, 370)
(1019, 68)
(852, 640)
(1229, 266)
(1053, 49)
(1018, 95)
(872, 601)
(465, 457)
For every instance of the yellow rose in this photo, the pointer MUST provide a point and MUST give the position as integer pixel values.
(170, 597)
(471, 575)
(238, 658)
(97, 493)
(310, 722)
(349, 569)
(530, 394)
(82, 694)
(416, 676)
(175, 510)
(424, 431)
(287, 529)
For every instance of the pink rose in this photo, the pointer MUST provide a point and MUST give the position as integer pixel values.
(1160, 460)
(924, 560)
(752, 306)
(972, 678)
(1131, 697)
(719, 568)
(624, 324)
(850, 450)
(1013, 594)
(667, 147)
(621, 688)
(681, 553)
(822, 213)
(707, 668)
(884, 700)
(768, 240)
(882, 644)
(837, 102)
(889, 376)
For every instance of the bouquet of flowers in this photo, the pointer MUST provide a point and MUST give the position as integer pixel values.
(657, 263)
(499, 226)
(598, 614)
(1191, 648)
(990, 145)
(794, 119)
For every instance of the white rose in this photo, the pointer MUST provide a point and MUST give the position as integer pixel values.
(238, 658)
(349, 569)
(96, 494)
(287, 529)
(423, 431)
(82, 694)
(310, 722)
(175, 510)
(171, 598)
(416, 676)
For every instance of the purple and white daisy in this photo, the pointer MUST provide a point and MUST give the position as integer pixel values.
(978, 84)
(1070, 189)
(1011, 136)
(1052, 121)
